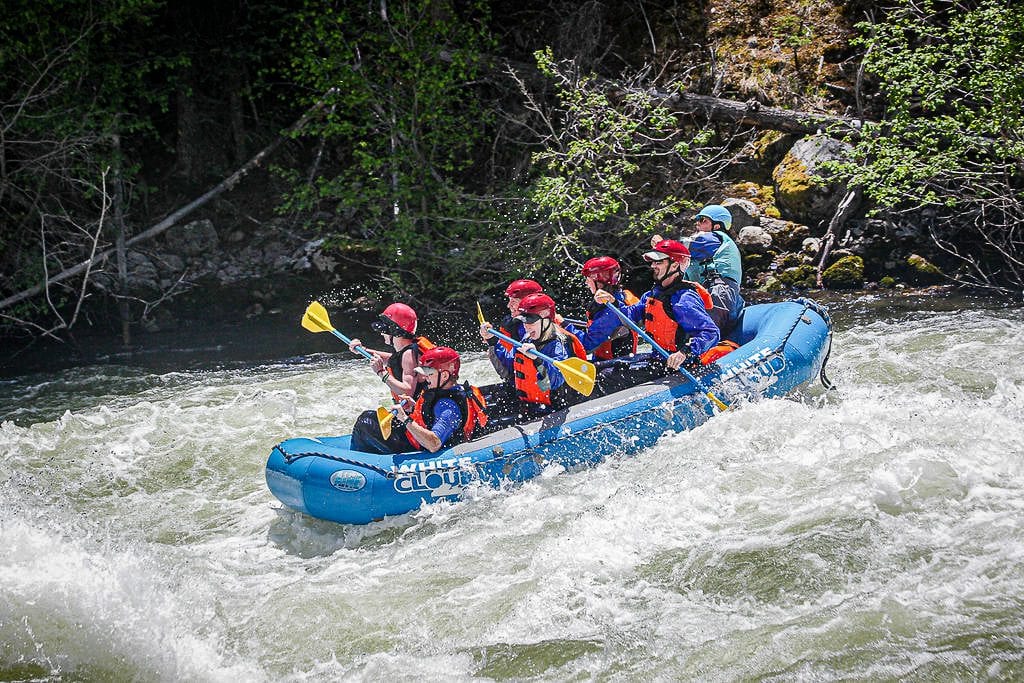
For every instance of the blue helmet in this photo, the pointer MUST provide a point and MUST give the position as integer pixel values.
(718, 214)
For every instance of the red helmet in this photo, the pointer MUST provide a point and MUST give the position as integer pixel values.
(537, 304)
(520, 288)
(441, 358)
(398, 320)
(603, 269)
(672, 249)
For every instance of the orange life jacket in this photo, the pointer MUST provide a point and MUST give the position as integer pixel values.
(617, 346)
(394, 366)
(660, 322)
(720, 349)
(525, 369)
(508, 333)
(472, 406)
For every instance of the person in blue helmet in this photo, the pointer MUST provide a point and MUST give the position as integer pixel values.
(715, 262)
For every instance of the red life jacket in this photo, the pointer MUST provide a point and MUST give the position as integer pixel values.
(471, 405)
(394, 366)
(660, 322)
(720, 349)
(525, 369)
(617, 346)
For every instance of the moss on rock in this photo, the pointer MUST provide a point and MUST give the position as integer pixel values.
(923, 270)
(846, 273)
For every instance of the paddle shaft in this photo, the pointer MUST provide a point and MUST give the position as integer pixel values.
(664, 354)
(558, 364)
(359, 349)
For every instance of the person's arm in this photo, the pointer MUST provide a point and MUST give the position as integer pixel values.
(501, 358)
(634, 312)
(693, 317)
(446, 420)
(600, 330)
(406, 384)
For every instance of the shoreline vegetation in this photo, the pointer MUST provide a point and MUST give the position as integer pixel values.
(429, 152)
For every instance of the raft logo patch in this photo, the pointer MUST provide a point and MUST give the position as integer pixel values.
(438, 477)
(348, 480)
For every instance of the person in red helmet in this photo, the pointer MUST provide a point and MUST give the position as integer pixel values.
(605, 337)
(510, 327)
(397, 324)
(675, 311)
(540, 386)
(443, 412)
(716, 263)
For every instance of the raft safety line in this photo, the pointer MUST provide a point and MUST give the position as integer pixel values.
(823, 312)
(388, 474)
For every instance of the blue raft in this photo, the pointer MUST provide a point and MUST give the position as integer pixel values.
(783, 346)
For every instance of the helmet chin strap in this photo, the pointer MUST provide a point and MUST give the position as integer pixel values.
(545, 329)
(669, 272)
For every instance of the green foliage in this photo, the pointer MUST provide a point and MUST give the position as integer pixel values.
(401, 120)
(605, 163)
(954, 87)
(953, 133)
(76, 78)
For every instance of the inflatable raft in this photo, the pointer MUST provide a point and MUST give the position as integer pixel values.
(782, 347)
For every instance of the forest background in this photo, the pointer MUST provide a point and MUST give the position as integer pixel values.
(161, 158)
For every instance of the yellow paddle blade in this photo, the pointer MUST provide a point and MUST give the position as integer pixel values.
(579, 374)
(480, 314)
(384, 418)
(316, 318)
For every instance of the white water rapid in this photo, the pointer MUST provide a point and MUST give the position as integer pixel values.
(871, 532)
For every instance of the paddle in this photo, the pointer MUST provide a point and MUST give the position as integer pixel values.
(665, 354)
(579, 374)
(385, 416)
(316, 320)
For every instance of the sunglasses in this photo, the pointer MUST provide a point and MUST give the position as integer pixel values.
(652, 259)
(529, 317)
(388, 326)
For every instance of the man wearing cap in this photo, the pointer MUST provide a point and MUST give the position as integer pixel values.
(715, 262)
(540, 386)
(442, 414)
(675, 311)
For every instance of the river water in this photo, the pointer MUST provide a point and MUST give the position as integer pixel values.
(875, 531)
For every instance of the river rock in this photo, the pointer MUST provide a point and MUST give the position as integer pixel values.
(192, 239)
(785, 234)
(846, 273)
(744, 213)
(804, 189)
(754, 239)
(142, 274)
(922, 270)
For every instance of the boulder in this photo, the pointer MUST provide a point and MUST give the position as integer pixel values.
(785, 234)
(846, 273)
(192, 239)
(804, 189)
(754, 239)
(744, 213)
(923, 271)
